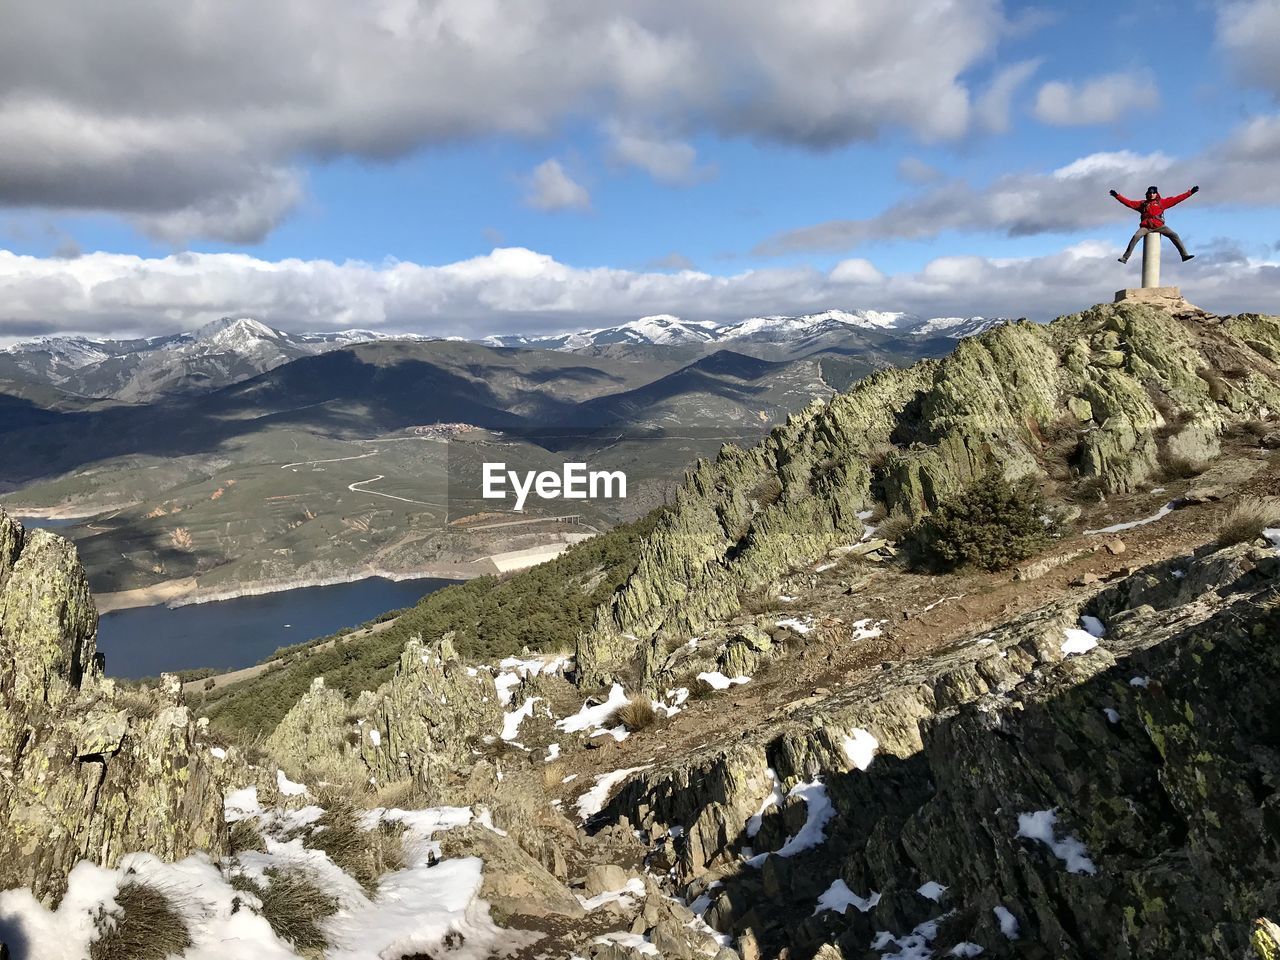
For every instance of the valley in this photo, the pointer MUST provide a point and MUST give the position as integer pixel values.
(312, 460)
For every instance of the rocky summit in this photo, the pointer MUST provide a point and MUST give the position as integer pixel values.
(792, 732)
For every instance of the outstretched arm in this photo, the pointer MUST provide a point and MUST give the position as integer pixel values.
(1131, 204)
(1170, 201)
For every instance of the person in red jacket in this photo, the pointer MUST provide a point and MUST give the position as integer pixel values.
(1151, 210)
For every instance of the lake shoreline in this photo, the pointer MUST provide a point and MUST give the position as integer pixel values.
(187, 592)
(238, 633)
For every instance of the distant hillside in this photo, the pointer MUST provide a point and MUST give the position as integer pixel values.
(234, 349)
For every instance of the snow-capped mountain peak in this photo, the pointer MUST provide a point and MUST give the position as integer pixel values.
(234, 332)
(955, 328)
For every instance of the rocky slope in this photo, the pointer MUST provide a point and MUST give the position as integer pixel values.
(1097, 397)
(1078, 760)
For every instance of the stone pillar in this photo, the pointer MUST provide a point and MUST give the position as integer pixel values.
(1151, 260)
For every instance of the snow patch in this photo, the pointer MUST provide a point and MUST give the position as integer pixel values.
(1008, 922)
(241, 804)
(865, 629)
(800, 626)
(773, 799)
(624, 897)
(594, 717)
(1077, 641)
(818, 813)
(718, 681)
(860, 747)
(932, 890)
(1040, 824)
(511, 721)
(1093, 626)
(287, 787)
(839, 897)
(1119, 527)
(593, 801)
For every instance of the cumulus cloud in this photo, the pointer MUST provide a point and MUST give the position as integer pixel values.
(514, 290)
(1102, 99)
(1237, 170)
(915, 170)
(1246, 33)
(671, 161)
(550, 189)
(995, 104)
(199, 125)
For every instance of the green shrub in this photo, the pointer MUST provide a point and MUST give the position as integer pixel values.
(992, 524)
(146, 925)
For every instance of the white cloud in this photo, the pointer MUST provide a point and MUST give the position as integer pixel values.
(915, 170)
(550, 188)
(856, 270)
(195, 126)
(1246, 33)
(1102, 99)
(671, 161)
(993, 107)
(514, 290)
(1237, 170)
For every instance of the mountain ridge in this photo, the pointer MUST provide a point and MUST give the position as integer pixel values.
(233, 348)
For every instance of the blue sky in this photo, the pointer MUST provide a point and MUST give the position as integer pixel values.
(761, 173)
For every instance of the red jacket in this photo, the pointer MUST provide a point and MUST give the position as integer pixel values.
(1152, 211)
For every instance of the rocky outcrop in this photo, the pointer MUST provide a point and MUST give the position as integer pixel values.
(1119, 802)
(423, 725)
(1101, 396)
(87, 772)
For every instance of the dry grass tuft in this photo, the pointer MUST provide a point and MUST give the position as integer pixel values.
(1174, 467)
(293, 903)
(894, 527)
(365, 854)
(147, 925)
(635, 714)
(1247, 518)
(245, 835)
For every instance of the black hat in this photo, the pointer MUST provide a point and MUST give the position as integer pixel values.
(1152, 190)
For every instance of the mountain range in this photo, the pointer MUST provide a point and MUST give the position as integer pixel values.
(233, 349)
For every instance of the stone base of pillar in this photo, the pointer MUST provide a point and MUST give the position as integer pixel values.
(1169, 296)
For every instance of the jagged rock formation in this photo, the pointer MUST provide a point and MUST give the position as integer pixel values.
(86, 771)
(1126, 384)
(422, 725)
(1150, 765)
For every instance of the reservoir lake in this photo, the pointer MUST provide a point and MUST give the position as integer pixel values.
(229, 634)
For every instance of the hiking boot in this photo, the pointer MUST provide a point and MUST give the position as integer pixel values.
(1122, 259)
(1189, 256)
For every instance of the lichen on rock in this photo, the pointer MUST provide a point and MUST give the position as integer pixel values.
(87, 772)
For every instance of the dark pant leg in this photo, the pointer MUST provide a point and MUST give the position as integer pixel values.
(1177, 240)
(1133, 241)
